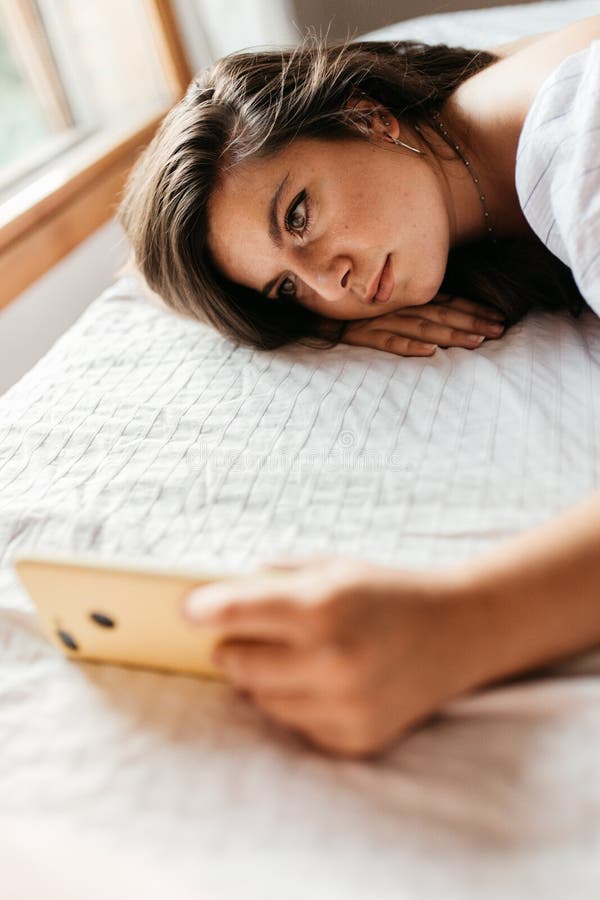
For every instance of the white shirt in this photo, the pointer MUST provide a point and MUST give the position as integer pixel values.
(558, 167)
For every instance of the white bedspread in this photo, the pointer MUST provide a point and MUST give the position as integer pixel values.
(141, 435)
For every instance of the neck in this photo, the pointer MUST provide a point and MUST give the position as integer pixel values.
(491, 150)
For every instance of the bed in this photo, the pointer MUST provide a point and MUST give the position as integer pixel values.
(143, 436)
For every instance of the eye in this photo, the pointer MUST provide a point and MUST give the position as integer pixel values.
(287, 288)
(298, 219)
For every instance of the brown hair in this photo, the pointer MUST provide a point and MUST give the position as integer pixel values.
(253, 103)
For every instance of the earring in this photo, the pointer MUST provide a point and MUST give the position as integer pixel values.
(397, 142)
(402, 144)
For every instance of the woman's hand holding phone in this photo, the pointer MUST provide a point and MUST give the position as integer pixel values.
(446, 321)
(348, 653)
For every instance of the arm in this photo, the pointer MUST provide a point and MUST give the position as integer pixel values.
(352, 654)
(536, 598)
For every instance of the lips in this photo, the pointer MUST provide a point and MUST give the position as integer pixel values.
(385, 284)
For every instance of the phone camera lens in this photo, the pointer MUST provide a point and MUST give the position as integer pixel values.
(103, 620)
(67, 639)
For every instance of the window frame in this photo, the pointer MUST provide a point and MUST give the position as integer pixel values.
(46, 220)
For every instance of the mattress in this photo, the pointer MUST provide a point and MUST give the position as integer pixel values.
(144, 436)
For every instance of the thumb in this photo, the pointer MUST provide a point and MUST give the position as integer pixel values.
(291, 563)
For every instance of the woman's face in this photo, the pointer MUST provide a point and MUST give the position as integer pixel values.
(318, 220)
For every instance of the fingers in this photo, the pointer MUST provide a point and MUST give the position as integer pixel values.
(374, 333)
(442, 335)
(469, 306)
(443, 326)
(433, 319)
(445, 321)
(305, 716)
(276, 669)
(291, 563)
(390, 341)
(402, 345)
(283, 600)
(265, 606)
(273, 669)
(345, 729)
(296, 711)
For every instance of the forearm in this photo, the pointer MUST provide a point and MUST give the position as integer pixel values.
(535, 598)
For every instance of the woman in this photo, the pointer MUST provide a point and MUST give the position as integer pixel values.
(291, 192)
(197, 203)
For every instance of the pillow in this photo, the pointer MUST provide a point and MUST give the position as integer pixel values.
(143, 434)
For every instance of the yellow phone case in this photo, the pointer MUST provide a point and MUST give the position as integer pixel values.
(120, 613)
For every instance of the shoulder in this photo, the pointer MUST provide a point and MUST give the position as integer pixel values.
(536, 63)
(557, 174)
(516, 78)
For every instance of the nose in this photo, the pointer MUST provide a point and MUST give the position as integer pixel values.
(328, 276)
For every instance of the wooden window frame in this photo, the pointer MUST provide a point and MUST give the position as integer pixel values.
(41, 224)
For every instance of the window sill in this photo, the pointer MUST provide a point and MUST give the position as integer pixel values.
(57, 210)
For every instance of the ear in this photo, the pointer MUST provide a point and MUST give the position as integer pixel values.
(372, 118)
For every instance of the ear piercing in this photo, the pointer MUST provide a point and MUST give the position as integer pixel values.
(468, 166)
(397, 142)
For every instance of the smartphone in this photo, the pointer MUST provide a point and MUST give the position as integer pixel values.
(121, 613)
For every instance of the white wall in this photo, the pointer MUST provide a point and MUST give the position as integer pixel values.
(351, 18)
(236, 24)
(32, 323)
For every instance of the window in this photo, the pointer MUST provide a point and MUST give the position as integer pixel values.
(24, 121)
(83, 86)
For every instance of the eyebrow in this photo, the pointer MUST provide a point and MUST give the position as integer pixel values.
(274, 230)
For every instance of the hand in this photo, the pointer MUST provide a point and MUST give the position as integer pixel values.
(348, 653)
(445, 321)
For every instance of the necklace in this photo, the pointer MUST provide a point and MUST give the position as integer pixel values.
(486, 212)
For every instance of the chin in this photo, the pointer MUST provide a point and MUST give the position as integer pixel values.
(416, 295)
(429, 295)
(415, 301)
